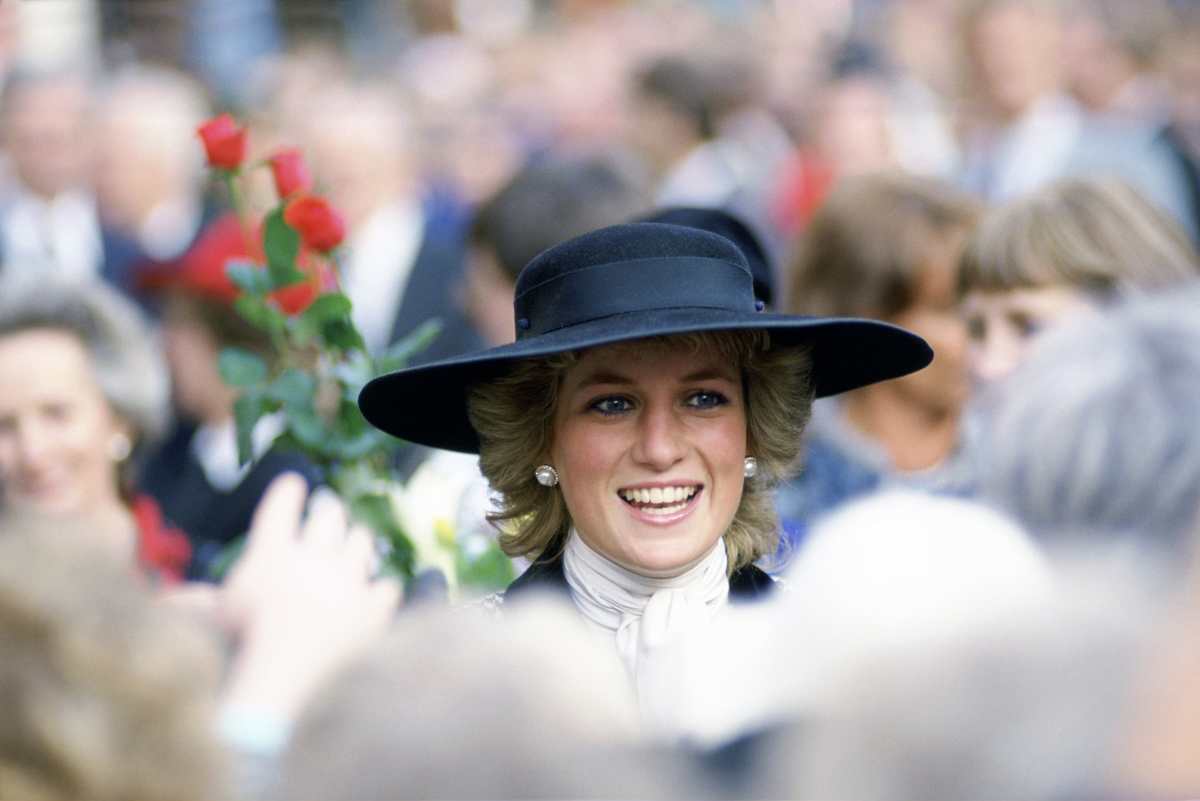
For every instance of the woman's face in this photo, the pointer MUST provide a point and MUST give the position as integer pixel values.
(56, 427)
(1002, 324)
(649, 444)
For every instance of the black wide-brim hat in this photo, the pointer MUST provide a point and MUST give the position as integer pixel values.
(623, 283)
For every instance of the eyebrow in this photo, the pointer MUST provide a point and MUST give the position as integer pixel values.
(609, 378)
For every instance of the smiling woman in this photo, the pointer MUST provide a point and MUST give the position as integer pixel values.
(81, 387)
(635, 430)
(702, 380)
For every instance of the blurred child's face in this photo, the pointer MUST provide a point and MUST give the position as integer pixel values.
(934, 314)
(1003, 324)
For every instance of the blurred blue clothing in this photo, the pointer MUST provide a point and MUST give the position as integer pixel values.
(840, 464)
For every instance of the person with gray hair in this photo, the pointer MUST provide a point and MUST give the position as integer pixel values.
(81, 387)
(1110, 402)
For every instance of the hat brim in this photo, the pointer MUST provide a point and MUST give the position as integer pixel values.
(427, 404)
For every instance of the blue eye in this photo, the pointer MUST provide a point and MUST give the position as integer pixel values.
(706, 400)
(611, 405)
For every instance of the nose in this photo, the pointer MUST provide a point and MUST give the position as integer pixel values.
(22, 448)
(661, 440)
(997, 355)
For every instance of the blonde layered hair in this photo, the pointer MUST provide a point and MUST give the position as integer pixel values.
(514, 417)
(1093, 233)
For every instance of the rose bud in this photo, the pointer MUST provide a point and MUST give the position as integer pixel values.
(290, 172)
(319, 224)
(224, 142)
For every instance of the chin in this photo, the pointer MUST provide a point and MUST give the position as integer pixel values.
(665, 559)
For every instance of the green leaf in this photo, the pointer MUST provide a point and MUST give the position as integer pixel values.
(341, 334)
(354, 373)
(489, 570)
(308, 428)
(260, 314)
(241, 368)
(282, 245)
(399, 352)
(375, 511)
(359, 446)
(294, 389)
(249, 277)
(327, 307)
(247, 410)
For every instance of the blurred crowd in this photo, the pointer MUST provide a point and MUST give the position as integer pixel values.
(991, 572)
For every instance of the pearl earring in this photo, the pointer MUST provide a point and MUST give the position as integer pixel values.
(546, 475)
(750, 467)
(119, 447)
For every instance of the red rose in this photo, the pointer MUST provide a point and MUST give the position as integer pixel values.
(291, 173)
(319, 224)
(224, 142)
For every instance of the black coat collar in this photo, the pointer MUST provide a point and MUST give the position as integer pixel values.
(745, 584)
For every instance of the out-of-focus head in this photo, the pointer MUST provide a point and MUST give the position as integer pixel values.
(47, 118)
(1098, 441)
(81, 384)
(1181, 68)
(851, 124)
(899, 571)
(360, 147)
(147, 148)
(455, 705)
(675, 107)
(887, 246)
(106, 693)
(551, 200)
(1069, 247)
(1014, 46)
(1106, 43)
(933, 653)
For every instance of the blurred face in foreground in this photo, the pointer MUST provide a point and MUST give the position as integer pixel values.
(649, 443)
(1003, 324)
(56, 427)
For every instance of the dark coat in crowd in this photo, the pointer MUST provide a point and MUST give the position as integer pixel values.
(211, 517)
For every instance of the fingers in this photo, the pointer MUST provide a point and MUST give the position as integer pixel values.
(360, 551)
(326, 524)
(385, 597)
(277, 517)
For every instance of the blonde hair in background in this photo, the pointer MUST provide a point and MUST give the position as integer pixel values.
(514, 414)
(1091, 233)
(108, 695)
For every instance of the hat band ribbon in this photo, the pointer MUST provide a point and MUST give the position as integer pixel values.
(620, 287)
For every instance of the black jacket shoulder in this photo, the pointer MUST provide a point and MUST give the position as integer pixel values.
(749, 583)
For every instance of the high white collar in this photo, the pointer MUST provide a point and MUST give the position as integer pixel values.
(643, 612)
(654, 621)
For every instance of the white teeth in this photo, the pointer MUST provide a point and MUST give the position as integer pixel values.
(665, 510)
(658, 495)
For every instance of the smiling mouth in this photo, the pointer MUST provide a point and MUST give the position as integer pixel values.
(661, 500)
